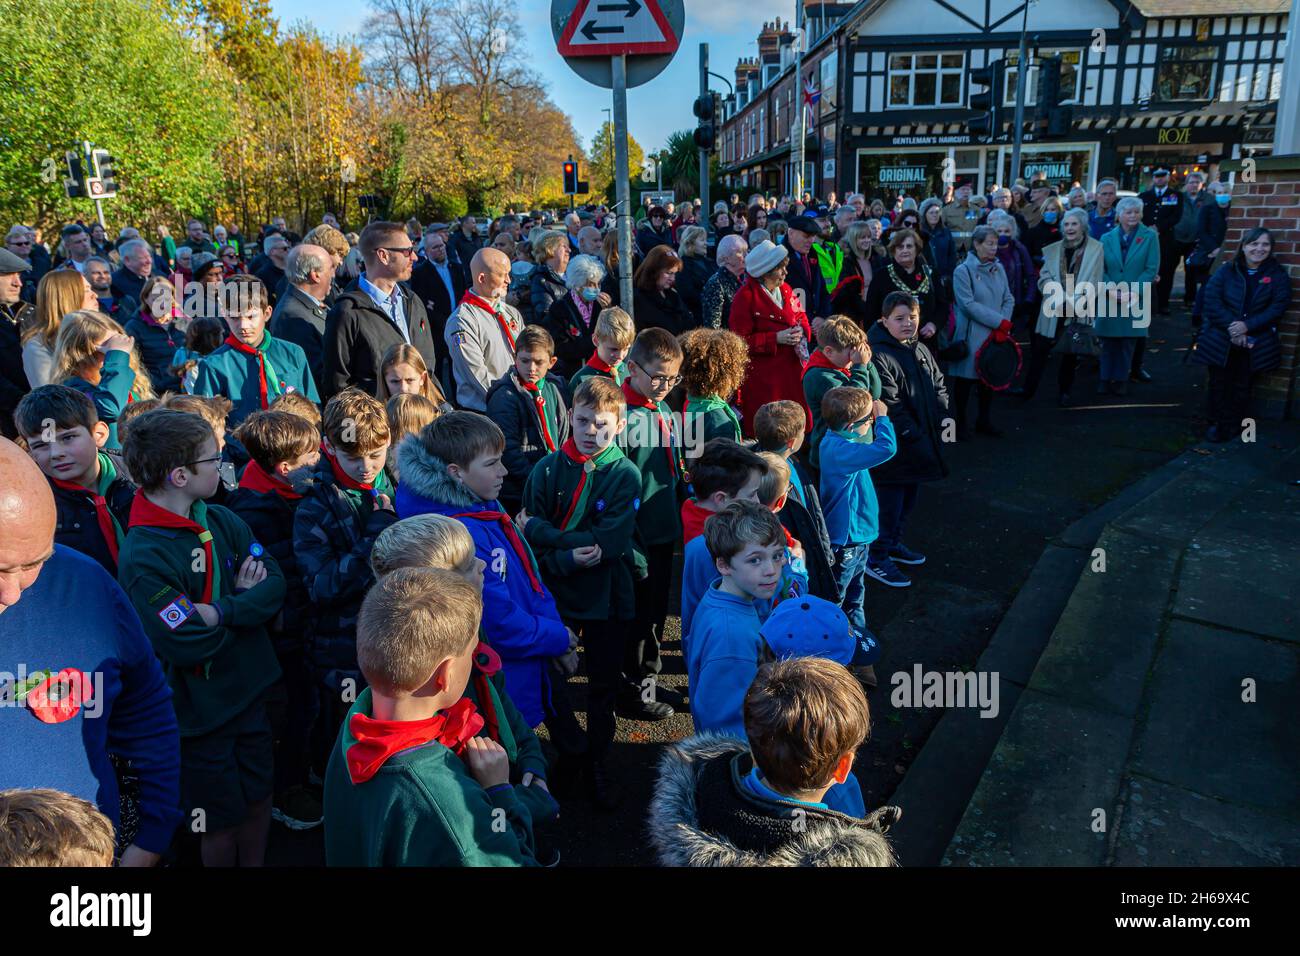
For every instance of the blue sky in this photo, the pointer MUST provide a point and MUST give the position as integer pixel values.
(656, 109)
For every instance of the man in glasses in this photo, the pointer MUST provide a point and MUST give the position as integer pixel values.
(376, 312)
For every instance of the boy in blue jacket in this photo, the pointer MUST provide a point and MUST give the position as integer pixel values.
(453, 467)
(858, 437)
(251, 367)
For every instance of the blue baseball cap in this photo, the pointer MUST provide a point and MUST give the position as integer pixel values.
(810, 626)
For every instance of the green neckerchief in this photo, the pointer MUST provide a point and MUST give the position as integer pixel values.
(272, 376)
(582, 495)
(707, 403)
(108, 475)
(199, 515)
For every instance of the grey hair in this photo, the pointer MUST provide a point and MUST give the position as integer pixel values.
(839, 213)
(185, 249)
(876, 221)
(1076, 191)
(721, 206)
(908, 203)
(132, 246)
(102, 261)
(758, 235)
(1079, 214)
(999, 216)
(925, 207)
(728, 244)
(1218, 186)
(583, 270)
(1106, 182)
(1195, 174)
(980, 233)
(688, 238)
(301, 263)
(1128, 202)
(273, 242)
(999, 191)
(17, 232)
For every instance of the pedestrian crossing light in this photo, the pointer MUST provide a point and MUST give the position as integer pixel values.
(986, 125)
(570, 178)
(103, 184)
(705, 133)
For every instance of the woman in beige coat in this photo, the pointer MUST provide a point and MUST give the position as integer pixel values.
(1068, 283)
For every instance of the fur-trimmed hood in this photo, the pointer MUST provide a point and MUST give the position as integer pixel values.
(425, 475)
(707, 765)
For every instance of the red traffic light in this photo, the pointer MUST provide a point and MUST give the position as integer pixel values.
(568, 167)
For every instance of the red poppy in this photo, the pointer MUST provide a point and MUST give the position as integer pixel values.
(59, 696)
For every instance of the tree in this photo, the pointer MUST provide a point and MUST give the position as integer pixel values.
(681, 163)
(601, 166)
(125, 75)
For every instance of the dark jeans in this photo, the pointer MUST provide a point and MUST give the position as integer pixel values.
(1038, 357)
(567, 735)
(851, 573)
(642, 658)
(1229, 392)
(1139, 350)
(1193, 276)
(1171, 253)
(603, 645)
(1117, 358)
(964, 386)
(895, 504)
(292, 704)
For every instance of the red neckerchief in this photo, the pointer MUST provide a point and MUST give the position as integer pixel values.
(147, 514)
(693, 518)
(256, 479)
(636, 400)
(508, 526)
(600, 365)
(819, 360)
(570, 449)
(240, 347)
(539, 405)
(486, 306)
(102, 515)
(378, 740)
(790, 541)
(486, 663)
(342, 477)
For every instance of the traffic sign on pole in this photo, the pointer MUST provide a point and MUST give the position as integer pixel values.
(641, 67)
(617, 28)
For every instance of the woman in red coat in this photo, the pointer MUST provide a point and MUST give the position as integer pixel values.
(768, 315)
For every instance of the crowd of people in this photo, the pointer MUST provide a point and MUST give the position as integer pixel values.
(309, 529)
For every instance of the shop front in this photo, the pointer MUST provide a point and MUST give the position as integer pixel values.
(1180, 149)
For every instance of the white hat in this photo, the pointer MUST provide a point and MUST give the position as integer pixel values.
(764, 257)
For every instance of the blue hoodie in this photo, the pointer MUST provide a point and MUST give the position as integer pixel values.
(520, 623)
(75, 616)
(699, 571)
(848, 496)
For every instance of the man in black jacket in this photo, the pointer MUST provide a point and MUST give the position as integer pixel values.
(805, 273)
(299, 316)
(137, 266)
(1162, 209)
(13, 381)
(439, 283)
(375, 313)
(464, 241)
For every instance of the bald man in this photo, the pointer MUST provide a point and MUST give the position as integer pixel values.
(589, 241)
(60, 612)
(481, 332)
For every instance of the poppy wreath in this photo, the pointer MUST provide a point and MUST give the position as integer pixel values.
(998, 361)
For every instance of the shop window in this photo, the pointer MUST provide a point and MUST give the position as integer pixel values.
(1071, 75)
(1186, 73)
(829, 83)
(925, 79)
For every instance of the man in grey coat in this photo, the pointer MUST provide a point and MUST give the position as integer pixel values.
(299, 316)
(481, 333)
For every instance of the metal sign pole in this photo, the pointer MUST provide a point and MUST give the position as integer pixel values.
(704, 155)
(802, 128)
(1022, 73)
(622, 184)
(99, 211)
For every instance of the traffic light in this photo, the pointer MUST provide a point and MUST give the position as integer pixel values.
(74, 184)
(570, 178)
(987, 124)
(705, 134)
(1050, 94)
(104, 184)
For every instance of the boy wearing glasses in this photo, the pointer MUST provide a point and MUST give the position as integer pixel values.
(654, 447)
(251, 367)
(205, 592)
(375, 313)
(859, 436)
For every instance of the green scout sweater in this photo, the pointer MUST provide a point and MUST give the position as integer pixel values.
(215, 673)
(606, 515)
(706, 417)
(588, 370)
(235, 375)
(820, 379)
(421, 808)
(663, 487)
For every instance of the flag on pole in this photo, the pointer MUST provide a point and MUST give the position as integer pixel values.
(811, 96)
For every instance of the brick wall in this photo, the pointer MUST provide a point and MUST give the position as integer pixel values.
(1272, 200)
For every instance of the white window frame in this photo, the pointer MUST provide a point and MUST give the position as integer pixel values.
(939, 72)
(1012, 71)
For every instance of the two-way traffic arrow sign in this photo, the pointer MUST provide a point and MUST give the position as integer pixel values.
(617, 27)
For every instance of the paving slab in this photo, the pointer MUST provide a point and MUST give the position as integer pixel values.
(1056, 764)
(1162, 825)
(1106, 638)
(1199, 734)
(1243, 581)
(1179, 509)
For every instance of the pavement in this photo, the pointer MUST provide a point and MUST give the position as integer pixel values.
(1007, 535)
(1158, 726)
